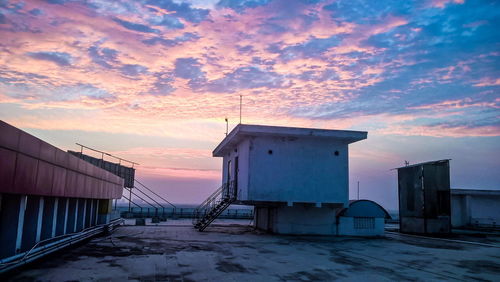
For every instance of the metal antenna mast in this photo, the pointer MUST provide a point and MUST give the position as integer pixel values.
(241, 99)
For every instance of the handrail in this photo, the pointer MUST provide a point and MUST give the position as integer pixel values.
(132, 202)
(215, 203)
(155, 194)
(141, 198)
(213, 195)
(104, 153)
(149, 197)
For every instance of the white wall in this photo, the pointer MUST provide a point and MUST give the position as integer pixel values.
(475, 210)
(346, 227)
(296, 220)
(459, 214)
(298, 170)
(242, 152)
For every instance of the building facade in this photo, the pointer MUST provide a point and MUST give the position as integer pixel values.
(475, 208)
(46, 194)
(296, 178)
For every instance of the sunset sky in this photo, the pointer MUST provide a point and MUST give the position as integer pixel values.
(152, 81)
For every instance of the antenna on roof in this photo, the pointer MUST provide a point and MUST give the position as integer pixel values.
(241, 99)
(407, 163)
(227, 125)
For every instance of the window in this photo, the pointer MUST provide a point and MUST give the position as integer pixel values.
(364, 222)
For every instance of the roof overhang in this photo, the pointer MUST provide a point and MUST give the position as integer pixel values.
(425, 163)
(242, 131)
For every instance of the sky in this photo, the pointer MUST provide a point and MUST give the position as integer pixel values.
(152, 81)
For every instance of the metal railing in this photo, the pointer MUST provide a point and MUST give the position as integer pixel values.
(214, 205)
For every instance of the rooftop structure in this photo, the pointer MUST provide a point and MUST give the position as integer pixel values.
(47, 195)
(362, 218)
(297, 178)
(287, 165)
(424, 198)
(475, 208)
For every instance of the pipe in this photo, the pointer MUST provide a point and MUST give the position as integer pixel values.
(37, 252)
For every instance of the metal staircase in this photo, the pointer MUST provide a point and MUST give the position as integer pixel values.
(214, 205)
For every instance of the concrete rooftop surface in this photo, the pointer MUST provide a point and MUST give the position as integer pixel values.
(231, 250)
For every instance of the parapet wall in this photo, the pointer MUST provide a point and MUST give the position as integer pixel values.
(31, 166)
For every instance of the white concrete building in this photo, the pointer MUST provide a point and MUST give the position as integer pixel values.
(475, 208)
(297, 178)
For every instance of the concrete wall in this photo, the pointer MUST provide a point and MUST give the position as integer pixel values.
(363, 227)
(469, 210)
(296, 220)
(297, 170)
(242, 152)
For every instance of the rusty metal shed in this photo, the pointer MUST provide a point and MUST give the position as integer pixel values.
(424, 198)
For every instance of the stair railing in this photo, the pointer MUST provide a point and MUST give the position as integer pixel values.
(225, 193)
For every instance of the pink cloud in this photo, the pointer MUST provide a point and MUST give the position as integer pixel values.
(442, 3)
(487, 81)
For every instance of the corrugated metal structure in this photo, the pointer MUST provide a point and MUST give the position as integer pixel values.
(424, 198)
(127, 173)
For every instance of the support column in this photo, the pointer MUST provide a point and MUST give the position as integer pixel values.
(105, 207)
(33, 215)
(97, 212)
(72, 213)
(88, 213)
(49, 218)
(41, 216)
(62, 216)
(12, 211)
(54, 217)
(468, 210)
(91, 213)
(80, 216)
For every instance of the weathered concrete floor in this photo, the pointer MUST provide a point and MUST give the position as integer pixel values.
(237, 253)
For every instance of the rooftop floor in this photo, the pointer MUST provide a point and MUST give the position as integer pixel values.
(235, 252)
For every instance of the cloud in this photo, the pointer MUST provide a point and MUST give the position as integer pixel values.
(442, 3)
(488, 81)
(247, 78)
(241, 5)
(182, 10)
(188, 68)
(104, 57)
(60, 58)
(36, 12)
(315, 47)
(162, 86)
(168, 21)
(135, 26)
(295, 62)
(133, 69)
(185, 37)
